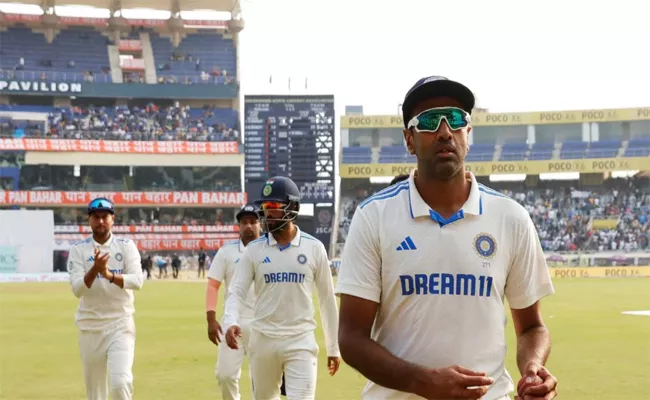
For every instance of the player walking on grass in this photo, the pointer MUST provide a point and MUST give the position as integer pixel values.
(427, 264)
(285, 265)
(104, 270)
(222, 270)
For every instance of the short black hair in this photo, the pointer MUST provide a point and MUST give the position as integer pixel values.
(399, 178)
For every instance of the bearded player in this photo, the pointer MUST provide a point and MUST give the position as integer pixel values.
(285, 265)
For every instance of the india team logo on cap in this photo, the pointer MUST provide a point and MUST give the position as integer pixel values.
(267, 190)
(485, 245)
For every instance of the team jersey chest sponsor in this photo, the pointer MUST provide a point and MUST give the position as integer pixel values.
(288, 267)
(460, 259)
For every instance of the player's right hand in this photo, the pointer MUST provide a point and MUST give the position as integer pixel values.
(101, 261)
(232, 334)
(214, 332)
(454, 382)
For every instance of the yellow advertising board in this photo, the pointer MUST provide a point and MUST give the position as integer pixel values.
(481, 118)
(599, 272)
(595, 165)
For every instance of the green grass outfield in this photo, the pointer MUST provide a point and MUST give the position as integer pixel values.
(598, 353)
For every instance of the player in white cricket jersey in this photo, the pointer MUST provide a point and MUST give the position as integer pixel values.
(285, 265)
(104, 270)
(427, 265)
(222, 270)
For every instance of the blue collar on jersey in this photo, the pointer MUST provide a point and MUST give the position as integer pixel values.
(418, 208)
(295, 242)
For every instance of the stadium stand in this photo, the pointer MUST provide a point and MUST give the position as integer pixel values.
(564, 215)
(151, 122)
(124, 80)
(569, 150)
(75, 54)
(200, 57)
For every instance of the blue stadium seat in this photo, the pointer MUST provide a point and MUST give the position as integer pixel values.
(572, 150)
(395, 155)
(357, 155)
(638, 148)
(603, 149)
(513, 152)
(480, 152)
(83, 45)
(541, 151)
(213, 51)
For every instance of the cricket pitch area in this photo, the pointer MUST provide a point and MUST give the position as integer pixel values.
(598, 352)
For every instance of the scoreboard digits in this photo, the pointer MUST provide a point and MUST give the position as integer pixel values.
(291, 136)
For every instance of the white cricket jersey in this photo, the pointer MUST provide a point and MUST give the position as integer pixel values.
(441, 283)
(104, 303)
(223, 268)
(284, 281)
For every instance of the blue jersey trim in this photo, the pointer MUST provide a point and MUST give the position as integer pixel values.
(492, 192)
(392, 191)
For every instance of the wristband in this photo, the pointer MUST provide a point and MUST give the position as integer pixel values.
(112, 279)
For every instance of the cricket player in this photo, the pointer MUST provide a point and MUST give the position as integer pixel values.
(222, 270)
(104, 270)
(399, 178)
(427, 265)
(285, 265)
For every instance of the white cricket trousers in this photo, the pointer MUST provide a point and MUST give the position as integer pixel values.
(109, 351)
(295, 356)
(229, 363)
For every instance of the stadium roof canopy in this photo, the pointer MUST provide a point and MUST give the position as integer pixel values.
(185, 5)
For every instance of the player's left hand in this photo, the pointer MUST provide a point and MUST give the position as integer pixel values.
(537, 383)
(333, 364)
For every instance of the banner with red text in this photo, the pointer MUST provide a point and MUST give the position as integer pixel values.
(56, 198)
(76, 237)
(152, 229)
(119, 146)
(160, 244)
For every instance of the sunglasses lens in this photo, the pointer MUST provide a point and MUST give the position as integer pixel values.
(272, 206)
(101, 204)
(430, 120)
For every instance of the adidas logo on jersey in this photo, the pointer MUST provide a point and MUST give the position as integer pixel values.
(407, 244)
(91, 259)
(266, 260)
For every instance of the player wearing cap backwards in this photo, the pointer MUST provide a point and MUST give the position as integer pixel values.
(427, 264)
(285, 265)
(104, 270)
(222, 270)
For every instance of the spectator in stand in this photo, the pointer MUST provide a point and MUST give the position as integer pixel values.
(563, 217)
(138, 123)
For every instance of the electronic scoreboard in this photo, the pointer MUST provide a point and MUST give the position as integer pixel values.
(293, 136)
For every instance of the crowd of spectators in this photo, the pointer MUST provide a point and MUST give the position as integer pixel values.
(564, 216)
(152, 216)
(151, 122)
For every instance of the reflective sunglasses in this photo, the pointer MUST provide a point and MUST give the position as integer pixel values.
(430, 120)
(273, 205)
(100, 205)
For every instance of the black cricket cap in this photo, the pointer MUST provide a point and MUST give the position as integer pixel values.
(436, 86)
(249, 209)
